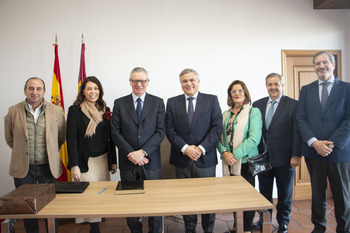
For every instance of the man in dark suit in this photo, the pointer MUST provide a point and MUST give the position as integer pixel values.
(323, 117)
(194, 126)
(138, 128)
(281, 138)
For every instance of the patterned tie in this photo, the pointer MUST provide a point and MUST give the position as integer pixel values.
(270, 114)
(190, 109)
(324, 95)
(138, 110)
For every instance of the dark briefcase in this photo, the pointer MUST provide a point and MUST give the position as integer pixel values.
(27, 199)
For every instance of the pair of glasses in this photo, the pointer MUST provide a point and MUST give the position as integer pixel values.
(240, 91)
(143, 82)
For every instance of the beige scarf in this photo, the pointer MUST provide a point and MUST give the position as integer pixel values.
(95, 116)
(238, 134)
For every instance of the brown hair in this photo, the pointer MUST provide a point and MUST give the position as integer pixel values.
(100, 103)
(246, 93)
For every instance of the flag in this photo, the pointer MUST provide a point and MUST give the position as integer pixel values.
(57, 98)
(82, 72)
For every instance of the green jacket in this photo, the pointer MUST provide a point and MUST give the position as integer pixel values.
(250, 144)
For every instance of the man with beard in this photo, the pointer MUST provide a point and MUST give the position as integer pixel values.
(323, 118)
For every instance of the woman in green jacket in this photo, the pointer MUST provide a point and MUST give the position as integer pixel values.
(240, 138)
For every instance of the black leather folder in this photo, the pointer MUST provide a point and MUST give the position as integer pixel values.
(71, 187)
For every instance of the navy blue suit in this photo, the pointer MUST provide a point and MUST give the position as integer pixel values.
(332, 124)
(205, 130)
(283, 141)
(129, 136)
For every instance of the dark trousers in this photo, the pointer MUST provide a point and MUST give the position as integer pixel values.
(192, 171)
(338, 175)
(154, 223)
(248, 216)
(37, 174)
(284, 176)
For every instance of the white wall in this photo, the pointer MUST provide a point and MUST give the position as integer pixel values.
(222, 39)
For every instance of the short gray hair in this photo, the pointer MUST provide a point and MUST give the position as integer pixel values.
(271, 75)
(330, 56)
(25, 85)
(189, 70)
(139, 69)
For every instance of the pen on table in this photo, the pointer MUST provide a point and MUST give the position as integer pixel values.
(101, 191)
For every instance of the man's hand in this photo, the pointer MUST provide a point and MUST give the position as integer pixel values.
(229, 158)
(193, 152)
(295, 161)
(136, 156)
(75, 172)
(323, 148)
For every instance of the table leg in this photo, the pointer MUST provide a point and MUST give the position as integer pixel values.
(239, 222)
(51, 225)
(266, 225)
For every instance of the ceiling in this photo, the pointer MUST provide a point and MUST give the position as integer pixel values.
(331, 4)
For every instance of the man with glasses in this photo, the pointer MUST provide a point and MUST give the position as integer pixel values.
(194, 126)
(138, 128)
(323, 117)
(280, 136)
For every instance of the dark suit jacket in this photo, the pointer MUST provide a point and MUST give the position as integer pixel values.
(129, 136)
(333, 124)
(78, 144)
(205, 130)
(282, 138)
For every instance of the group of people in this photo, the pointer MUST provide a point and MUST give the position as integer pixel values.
(317, 127)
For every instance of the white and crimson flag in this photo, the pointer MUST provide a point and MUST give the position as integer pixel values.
(57, 98)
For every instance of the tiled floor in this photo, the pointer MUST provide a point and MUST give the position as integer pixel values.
(300, 222)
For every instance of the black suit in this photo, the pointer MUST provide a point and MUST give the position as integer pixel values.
(129, 136)
(205, 130)
(283, 141)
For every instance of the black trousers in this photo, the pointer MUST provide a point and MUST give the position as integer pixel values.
(37, 174)
(248, 216)
(338, 175)
(284, 176)
(154, 223)
(192, 171)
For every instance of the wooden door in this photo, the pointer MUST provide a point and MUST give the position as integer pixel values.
(298, 70)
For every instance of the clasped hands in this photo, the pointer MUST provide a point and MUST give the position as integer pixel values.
(323, 147)
(193, 152)
(229, 158)
(138, 157)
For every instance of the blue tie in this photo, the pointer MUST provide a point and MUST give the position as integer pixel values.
(138, 110)
(270, 114)
(324, 95)
(190, 110)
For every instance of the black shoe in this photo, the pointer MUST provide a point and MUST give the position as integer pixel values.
(282, 229)
(190, 231)
(257, 225)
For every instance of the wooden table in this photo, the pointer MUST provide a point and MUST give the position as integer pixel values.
(161, 198)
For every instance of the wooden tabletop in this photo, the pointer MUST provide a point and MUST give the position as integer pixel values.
(161, 198)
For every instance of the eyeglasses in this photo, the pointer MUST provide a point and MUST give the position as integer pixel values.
(240, 91)
(325, 62)
(143, 82)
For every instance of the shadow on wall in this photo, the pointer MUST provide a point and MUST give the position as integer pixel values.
(168, 170)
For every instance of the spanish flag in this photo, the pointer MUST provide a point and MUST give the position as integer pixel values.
(57, 98)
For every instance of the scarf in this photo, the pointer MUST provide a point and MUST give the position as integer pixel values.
(95, 116)
(237, 140)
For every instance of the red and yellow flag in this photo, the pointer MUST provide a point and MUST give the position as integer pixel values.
(57, 98)
(82, 72)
